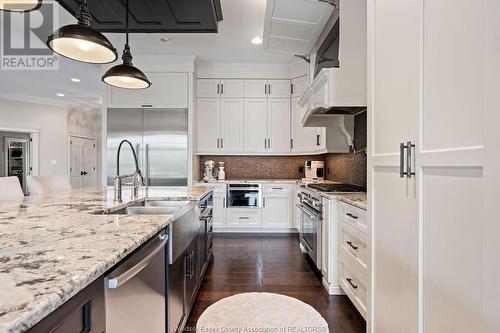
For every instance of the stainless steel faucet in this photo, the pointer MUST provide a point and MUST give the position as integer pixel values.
(137, 179)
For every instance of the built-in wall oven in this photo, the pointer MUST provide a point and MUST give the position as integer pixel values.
(244, 195)
(310, 218)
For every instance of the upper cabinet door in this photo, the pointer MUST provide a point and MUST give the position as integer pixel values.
(278, 125)
(207, 88)
(300, 85)
(168, 90)
(232, 124)
(279, 88)
(304, 138)
(255, 125)
(232, 88)
(208, 124)
(255, 88)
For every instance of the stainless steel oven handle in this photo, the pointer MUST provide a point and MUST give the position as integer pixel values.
(309, 212)
(116, 282)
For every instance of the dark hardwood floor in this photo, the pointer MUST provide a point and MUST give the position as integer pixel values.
(271, 263)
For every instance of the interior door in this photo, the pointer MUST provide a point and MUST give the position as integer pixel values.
(82, 162)
(208, 124)
(232, 124)
(393, 118)
(255, 122)
(165, 143)
(279, 125)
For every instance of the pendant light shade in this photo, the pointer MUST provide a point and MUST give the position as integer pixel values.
(81, 42)
(20, 5)
(126, 75)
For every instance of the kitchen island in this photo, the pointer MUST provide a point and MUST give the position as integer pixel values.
(54, 246)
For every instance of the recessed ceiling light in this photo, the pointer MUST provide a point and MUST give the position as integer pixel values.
(257, 40)
(60, 94)
(75, 80)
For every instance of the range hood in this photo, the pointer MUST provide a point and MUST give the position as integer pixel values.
(341, 90)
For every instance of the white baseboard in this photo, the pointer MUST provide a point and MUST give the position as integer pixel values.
(333, 289)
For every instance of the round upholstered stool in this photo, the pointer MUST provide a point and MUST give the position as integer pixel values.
(260, 313)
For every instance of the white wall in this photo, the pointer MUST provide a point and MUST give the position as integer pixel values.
(54, 124)
(51, 121)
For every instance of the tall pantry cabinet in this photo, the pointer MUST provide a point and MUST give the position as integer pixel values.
(434, 165)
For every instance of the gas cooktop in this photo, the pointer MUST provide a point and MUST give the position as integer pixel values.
(337, 187)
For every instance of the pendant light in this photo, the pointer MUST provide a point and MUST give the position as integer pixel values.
(20, 5)
(81, 42)
(126, 75)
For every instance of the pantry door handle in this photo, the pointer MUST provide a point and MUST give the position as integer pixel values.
(352, 284)
(350, 244)
(410, 148)
(402, 148)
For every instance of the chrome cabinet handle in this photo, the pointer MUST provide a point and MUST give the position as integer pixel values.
(352, 216)
(409, 149)
(222, 89)
(222, 143)
(218, 88)
(352, 284)
(243, 218)
(264, 202)
(317, 140)
(218, 145)
(265, 89)
(350, 244)
(269, 89)
(265, 143)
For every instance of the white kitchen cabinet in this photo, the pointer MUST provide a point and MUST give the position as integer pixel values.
(304, 138)
(276, 211)
(435, 234)
(219, 88)
(243, 218)
(278, 125)
(279, 88)
(255, 88)
(232, 88)
(231, 115)
(255, 125)
(219, 123)
(277, 206)
(168, 90)
(208, 124)
(219, 210)
(208, 88)
(268, 88)
(299, 86)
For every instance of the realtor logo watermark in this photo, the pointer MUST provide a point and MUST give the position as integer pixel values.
(23, 38)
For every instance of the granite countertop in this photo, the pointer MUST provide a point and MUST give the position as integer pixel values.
(358, 199)
(54, 246)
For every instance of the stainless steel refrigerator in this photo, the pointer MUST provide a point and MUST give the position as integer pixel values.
(15, 157)
(160, 137)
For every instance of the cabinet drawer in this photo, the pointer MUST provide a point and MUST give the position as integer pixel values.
(278, 188)
(354, 285)
(354, 216)
(353, 244)
(244, 218)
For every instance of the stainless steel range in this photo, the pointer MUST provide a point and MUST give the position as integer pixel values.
(309, 204)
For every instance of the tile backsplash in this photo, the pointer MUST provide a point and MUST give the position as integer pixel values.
(347, 168)
(260, 167)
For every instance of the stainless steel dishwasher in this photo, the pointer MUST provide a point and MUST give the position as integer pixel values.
(136, 290)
